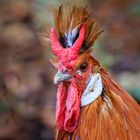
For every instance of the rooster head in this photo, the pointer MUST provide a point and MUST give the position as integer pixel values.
(71, 41)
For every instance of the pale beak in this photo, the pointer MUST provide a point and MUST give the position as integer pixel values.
(59, 77)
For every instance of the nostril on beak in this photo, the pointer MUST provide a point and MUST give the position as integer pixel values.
(64, 70)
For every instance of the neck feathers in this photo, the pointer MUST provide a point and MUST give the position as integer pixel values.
(113, 116)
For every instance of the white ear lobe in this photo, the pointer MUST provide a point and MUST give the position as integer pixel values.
(93, 90)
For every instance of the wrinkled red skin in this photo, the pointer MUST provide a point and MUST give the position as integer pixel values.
(69, 100)
(68, 106)
(67, 56)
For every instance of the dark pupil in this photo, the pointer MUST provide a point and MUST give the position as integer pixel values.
(83, 67)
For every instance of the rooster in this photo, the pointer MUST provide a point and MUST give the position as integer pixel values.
(90, 104)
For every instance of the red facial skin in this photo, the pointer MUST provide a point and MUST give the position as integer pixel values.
(69, 92)
(69, 98)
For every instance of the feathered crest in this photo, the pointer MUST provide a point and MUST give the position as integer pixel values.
(68, 20)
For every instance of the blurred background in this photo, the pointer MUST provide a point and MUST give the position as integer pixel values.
(27, 93)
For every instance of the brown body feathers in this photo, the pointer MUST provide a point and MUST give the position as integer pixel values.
(114, 115)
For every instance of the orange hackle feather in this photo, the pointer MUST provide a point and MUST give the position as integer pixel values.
(114, 115)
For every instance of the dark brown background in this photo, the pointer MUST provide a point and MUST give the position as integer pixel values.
(27, 93)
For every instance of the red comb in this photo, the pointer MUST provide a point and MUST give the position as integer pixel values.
(67, 56)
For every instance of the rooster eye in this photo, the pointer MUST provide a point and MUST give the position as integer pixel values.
(83, 67)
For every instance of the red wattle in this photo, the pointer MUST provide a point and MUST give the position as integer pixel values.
(61, 105)
(68, 106)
